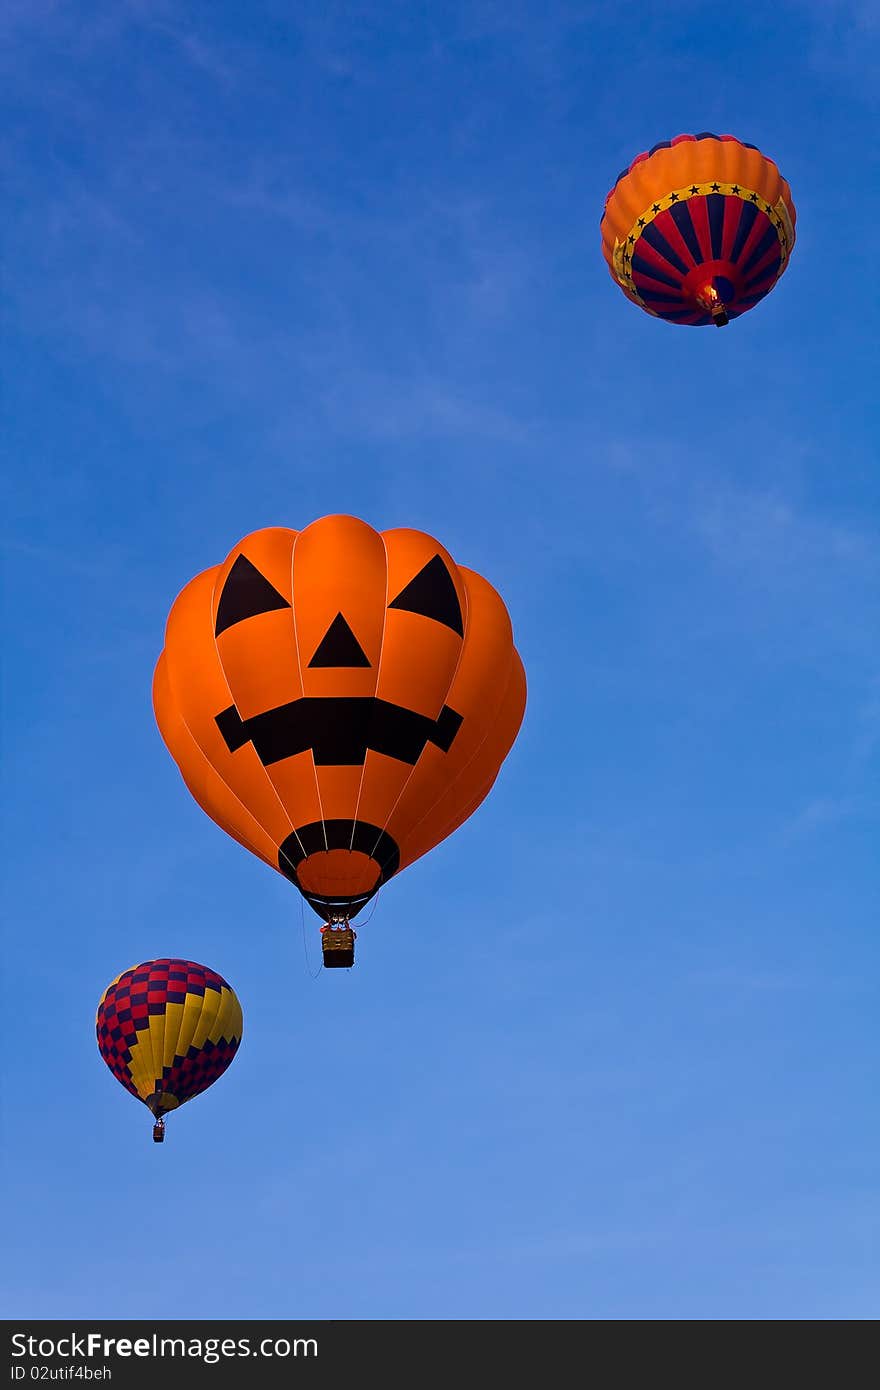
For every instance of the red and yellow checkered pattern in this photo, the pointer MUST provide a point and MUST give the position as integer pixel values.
(167, 1029)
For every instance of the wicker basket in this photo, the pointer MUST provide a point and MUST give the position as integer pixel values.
(337, 944)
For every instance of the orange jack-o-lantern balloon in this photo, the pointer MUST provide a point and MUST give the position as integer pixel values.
(339, 700)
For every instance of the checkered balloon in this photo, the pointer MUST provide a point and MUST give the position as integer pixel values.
(167, 1029)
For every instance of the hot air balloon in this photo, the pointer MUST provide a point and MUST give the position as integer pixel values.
(339, 700)
(167, 1029)
(698, 229)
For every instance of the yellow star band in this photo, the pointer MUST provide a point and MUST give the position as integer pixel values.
(778, 215)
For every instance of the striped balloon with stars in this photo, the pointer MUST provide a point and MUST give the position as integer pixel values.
(697, 230)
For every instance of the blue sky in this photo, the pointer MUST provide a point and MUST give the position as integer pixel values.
(611, 1050)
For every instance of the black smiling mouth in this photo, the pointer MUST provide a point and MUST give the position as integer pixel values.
(339, 730)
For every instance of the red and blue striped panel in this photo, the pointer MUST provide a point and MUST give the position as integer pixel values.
(714, 239)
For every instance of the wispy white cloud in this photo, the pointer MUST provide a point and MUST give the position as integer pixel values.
(824, 813)
(377, 408)
(81, 29)
(754, 982)
(868, 735)
(842, 36)
(819, 814)
(765, 536)
(196, 49)
(766, 543)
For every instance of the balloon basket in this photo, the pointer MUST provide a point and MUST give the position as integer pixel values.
(159, 1132)
(337, 946)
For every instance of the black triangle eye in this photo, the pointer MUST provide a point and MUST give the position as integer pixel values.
(432, 593)
(245, 594)
(339, 647)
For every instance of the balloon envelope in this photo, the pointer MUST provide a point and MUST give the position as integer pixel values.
(167, 1029)
(698, 229)
(339, 700)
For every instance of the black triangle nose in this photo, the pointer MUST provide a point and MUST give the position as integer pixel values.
(339, 647)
